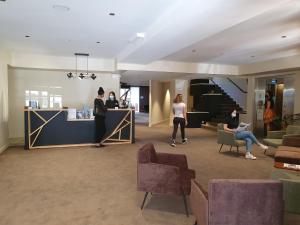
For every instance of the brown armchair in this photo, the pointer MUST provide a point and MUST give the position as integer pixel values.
(163, 173)
(238, 202)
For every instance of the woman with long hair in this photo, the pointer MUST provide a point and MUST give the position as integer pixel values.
(179, 111)
(99, 113)
(269, 113)
(231, 125)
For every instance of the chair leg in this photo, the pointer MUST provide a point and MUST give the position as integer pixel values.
(237, 149)
(144, 200)
(195, 222)
(230, 147)
(221, 148)
(185, 204)
(265, 151)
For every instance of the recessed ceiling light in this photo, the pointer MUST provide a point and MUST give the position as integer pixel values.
(98, 42)
(193, 50)
(252, 56)
(283, 36)
(140, 35)
(27, 36)
(61, 8)
(112, 14)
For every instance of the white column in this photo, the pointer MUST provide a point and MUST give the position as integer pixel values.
(116, 78)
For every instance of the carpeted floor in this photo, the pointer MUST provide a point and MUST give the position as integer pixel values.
(89, 186)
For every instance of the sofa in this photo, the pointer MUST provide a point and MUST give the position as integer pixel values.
(287, 156)
(238, 202)
(275, 138)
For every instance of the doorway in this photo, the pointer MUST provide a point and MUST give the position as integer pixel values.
(137, 98)
(274, 99)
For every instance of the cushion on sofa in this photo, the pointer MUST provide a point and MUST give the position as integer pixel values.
(291, 140)
(273, 142)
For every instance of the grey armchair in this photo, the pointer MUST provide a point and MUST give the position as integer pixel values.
(275, 138)
(238, 202)
(228, 138)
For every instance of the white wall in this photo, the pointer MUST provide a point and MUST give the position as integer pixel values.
(297, 92)
(4, 60)
(50, 62)
(249, 108)
(75, 93)
(160, 102)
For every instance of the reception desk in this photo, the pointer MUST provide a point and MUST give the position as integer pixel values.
(46, 128)
(195, 119)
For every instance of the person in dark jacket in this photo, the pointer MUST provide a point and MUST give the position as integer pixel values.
(112, 102)
(99, 113)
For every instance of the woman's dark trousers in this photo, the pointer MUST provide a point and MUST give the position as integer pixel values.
(100, 128)
(178, 121)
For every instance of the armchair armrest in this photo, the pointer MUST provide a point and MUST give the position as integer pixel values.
(158, 178)
(278, 134)
(226, 137)
(199, 203)
(178, 160)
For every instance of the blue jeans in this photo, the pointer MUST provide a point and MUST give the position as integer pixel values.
(248, 137)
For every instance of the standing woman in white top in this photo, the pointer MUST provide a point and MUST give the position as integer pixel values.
(179, 111)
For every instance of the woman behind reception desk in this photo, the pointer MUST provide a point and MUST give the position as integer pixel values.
(112, 102)
(99, 113)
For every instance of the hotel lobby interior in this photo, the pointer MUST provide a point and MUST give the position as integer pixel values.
(220, 56)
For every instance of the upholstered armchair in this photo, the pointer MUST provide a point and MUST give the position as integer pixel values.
(228, 138)
(163, 173)
(238, 202)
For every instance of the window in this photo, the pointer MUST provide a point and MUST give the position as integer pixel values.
(42, 99)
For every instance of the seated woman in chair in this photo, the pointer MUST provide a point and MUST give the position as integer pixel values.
(231, 125)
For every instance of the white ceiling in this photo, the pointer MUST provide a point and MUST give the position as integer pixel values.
(256, 39)
(141, 78)
(64, 33)
(227, 32)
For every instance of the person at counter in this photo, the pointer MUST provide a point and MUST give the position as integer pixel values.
(112, 102)
(99, 113)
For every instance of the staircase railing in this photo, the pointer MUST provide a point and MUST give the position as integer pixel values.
(236, 85)
(232, 89)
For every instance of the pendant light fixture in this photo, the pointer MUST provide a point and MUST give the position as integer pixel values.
(85, 75)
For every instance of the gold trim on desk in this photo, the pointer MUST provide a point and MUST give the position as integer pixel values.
(118, 131)
(39, 129)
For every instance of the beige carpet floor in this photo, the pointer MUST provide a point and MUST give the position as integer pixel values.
(89, 186)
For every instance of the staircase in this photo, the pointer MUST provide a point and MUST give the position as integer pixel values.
(224, 104)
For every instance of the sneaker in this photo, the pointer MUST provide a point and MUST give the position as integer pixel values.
(100, 146)
(173, 144)
(250, 156)
(184, 141)
(264, 147)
